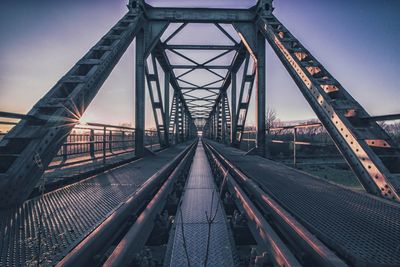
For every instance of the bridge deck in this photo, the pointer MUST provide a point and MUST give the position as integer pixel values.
(78, 166)
(71, 212)
(200, 200)
(358, 226)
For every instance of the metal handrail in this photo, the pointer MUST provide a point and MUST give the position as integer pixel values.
(90, 140)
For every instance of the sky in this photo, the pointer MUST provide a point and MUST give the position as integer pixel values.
(357, 42)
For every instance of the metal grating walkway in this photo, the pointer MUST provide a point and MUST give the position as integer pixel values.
(70, 213)
(362, 228)
(200, 193)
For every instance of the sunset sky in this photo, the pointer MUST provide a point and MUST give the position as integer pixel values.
(357, 41)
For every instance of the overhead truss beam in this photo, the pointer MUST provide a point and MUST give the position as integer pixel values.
(204, 15)
(202, 47)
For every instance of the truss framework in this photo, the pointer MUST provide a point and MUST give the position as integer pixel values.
(27, 150)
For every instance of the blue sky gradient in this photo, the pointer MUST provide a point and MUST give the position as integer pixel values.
(357, 41)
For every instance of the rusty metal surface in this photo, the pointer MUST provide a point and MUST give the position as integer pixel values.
(70, 213)
(361, 228)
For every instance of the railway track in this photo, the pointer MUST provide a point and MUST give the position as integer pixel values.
(199, 209)
(323, 224)
(251, 238)
(47, 227)
(127, 229)
(272, 235)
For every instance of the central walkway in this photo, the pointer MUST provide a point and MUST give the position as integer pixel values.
(201, 221)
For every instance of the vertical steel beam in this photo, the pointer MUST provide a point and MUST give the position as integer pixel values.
(217, 123)
(228, 119)
(173, 117)
(245, 94)
(224, 122)
(186, 125)
(140, 95)
(177, 116)
(156, 99)
(233, 106)
(220, 121)
(181, 121)
(212, 126)
(183, 124)
(167, 77)
(260, 95)
(178, 120)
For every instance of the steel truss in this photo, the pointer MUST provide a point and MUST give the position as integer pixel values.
(27, 150)
(368, 149)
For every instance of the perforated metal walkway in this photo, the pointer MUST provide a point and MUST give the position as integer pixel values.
(361, 228)
(71, 213)
(200, 200)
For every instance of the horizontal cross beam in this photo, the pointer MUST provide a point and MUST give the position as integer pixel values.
(202, 47)
(200, 67)
(204, 15)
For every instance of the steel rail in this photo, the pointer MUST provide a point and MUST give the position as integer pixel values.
(261, 229)
(134, 240)
(83, 254)
(304, 239)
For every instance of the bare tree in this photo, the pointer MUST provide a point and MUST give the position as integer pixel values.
(270, 118)
(393, 129)
(384, 125)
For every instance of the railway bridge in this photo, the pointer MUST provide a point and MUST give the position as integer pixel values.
(185, 194)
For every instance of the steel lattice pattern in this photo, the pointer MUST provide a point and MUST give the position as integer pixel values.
(220, 251)
(196, 203)
(70, 213)
(362, 228)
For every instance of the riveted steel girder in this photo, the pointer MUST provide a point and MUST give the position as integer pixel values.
(204, 15)
(27, 149)
(368, 149)
(153, 85)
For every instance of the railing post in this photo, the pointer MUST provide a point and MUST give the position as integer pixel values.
(294, 146)
(65, 151)
(110, 141)
(91, 145)
(134, 140)
(248, 141)
(104, 144)
(151, 140)
(123, 140)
